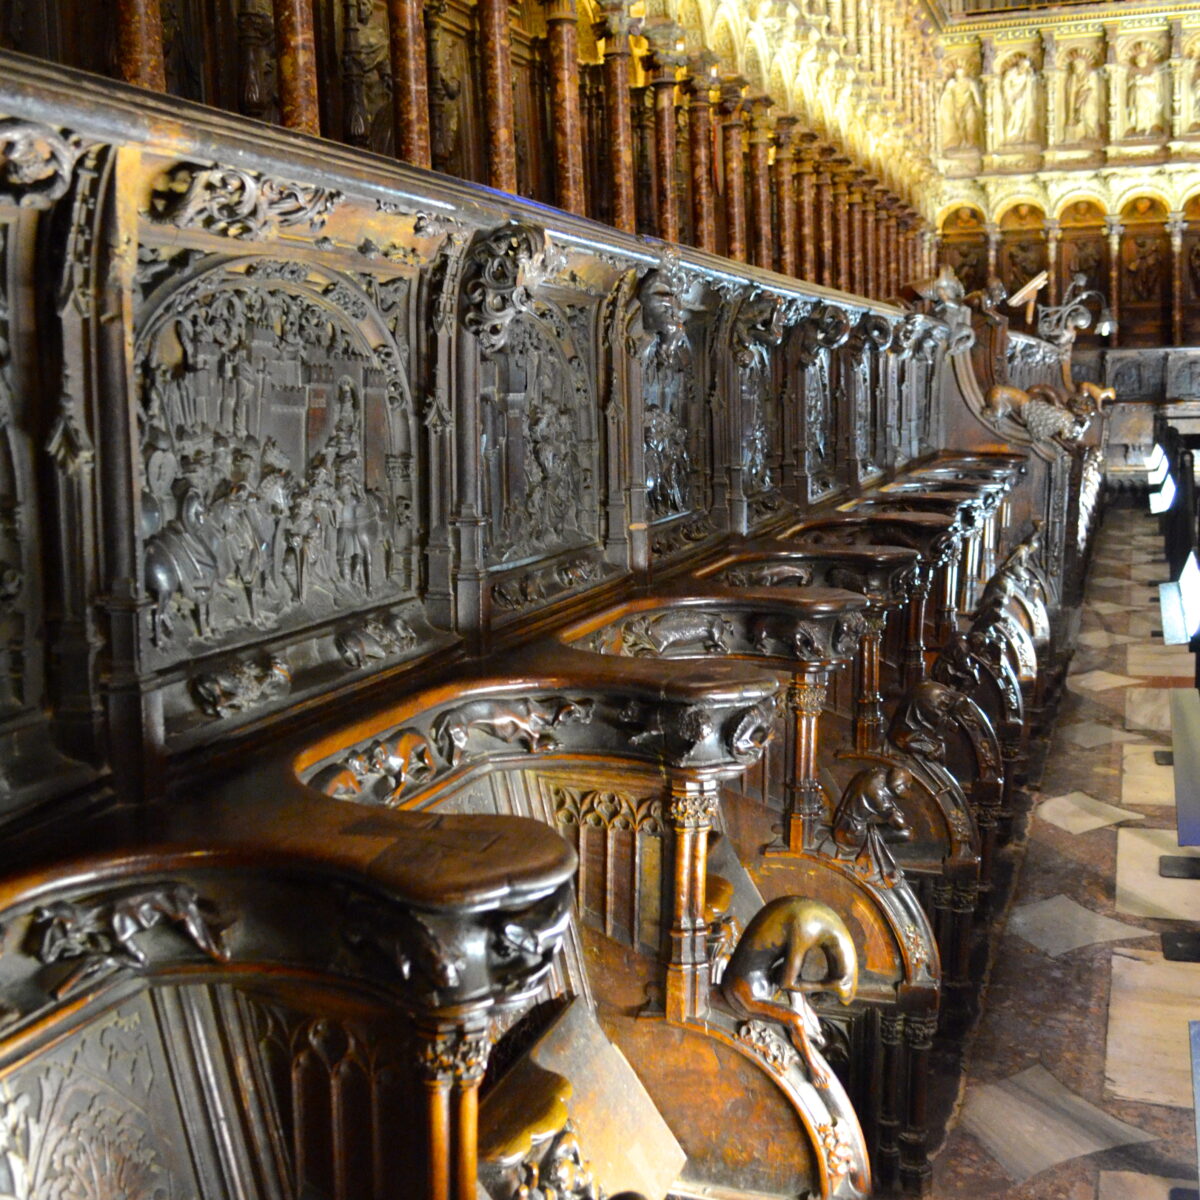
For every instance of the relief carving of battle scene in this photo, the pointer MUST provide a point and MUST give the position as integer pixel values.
(276, 431)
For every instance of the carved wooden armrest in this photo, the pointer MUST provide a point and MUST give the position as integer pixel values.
(881, 573)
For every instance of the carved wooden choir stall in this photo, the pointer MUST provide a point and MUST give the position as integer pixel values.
(491, 703)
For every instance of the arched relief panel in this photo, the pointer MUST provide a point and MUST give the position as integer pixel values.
(1022, 252)
(1191, 272)
(1083, 250)
(537, 449)
(674, 432)
(964, 246)
(1145, 274)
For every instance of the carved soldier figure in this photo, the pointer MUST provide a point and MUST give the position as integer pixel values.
(1145, 266)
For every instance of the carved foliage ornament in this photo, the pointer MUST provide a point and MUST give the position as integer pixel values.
(501, 269)
(236, 203)
(35, 163)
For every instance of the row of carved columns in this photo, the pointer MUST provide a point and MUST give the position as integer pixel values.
(792, 202)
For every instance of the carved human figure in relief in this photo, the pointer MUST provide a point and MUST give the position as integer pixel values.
(1081, 109)
(769, 960)
(1143, 96)
(960, 111)
(1019, 90)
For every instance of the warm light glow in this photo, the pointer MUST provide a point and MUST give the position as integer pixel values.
(1189, 594)
(1161, 500)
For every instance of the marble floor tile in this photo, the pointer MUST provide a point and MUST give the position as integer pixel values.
(1107, 581)
(1096, 639)
(1142, 659)
(1108, 607)
(1100, 681)
(1141, 890)
(1143, 781)
(1154, 572)
(1129, 1185)
(1058, 925)
(1148, 708)
(1148, 1052)
(1077, 812)
(1030, 1122)
(1143, 626)
(1091, 734)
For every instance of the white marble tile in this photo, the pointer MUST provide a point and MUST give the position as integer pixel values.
(1107, 581)
(1148, 708)
(1096, 639)
(1091, 734)
(1148, 1052)
(1100, 681)
(1129, 1185)
(1108, 607)
(1058, 925)
(1142, 659)
(1141, 890)
(1143, 781)
(1031, 1122)
(1154, 572)
(1077, 812)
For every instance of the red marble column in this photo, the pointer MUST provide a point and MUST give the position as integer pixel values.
(568, 117)
(879, 240)
(296, 56)
(760, 182)
(704, 220)
(662, 66)
(825, 224)
(1176, 228)
(732, 126)
(496, 52)
(140, 44)
(869, 282)
(808, 232)
(410, 81)
(785, 190)
(839, 207)
(854, 202)
(892, 256)
(1114, 229)
(614, 29)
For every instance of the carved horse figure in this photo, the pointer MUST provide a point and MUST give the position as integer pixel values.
(769, 959)
(525, 722)
(180, 560)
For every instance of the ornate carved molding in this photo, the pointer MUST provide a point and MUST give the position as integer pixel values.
(36, 163)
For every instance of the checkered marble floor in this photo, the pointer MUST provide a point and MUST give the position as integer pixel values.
(1074, 1085)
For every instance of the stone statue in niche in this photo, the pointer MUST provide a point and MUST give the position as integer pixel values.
(1143, 95)
(668, 380)
(960, 112)
(1081, 102)
(276, 451)
(757, 327)
(969, 263)
(1145, 269)
(1018, 87)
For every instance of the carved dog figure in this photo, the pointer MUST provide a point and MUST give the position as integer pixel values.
(868, 805)
(769, 959)
(525, 722)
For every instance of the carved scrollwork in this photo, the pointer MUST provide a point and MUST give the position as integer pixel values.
(101, 935)
(825, 328)
(237, 203)
(36, 163)
(500, 270)
(242, 686)
(769, 1044)
(873, 332)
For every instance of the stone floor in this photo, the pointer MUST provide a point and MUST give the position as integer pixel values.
(1078, 1078)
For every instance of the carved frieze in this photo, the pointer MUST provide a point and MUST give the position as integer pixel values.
(277, 449)
(237, 203)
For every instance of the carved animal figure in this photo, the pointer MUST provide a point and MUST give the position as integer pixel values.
(648, 637)
(525, 722)
(101, 935)
(921, 722)
(769, 959)
(869, 805)
(242, 686)
(770, 575)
